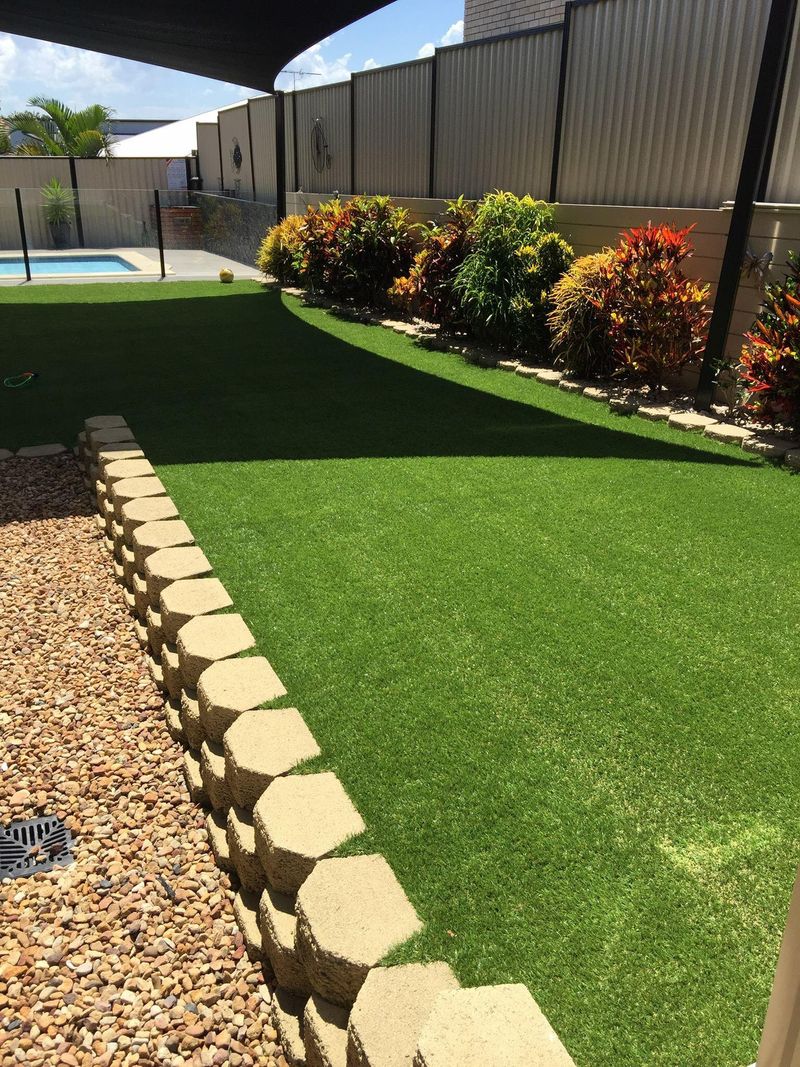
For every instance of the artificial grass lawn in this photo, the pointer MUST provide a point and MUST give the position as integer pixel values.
(550, 652)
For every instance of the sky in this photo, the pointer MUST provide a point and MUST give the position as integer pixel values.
(406, 29)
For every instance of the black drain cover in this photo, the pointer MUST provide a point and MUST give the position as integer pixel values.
(32, 845)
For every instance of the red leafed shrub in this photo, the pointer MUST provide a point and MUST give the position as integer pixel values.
(427, 289)
(657, 317)
(769, 373)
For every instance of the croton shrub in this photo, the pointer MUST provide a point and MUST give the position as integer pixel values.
(279, 250)
(769, 372)
(578, 320)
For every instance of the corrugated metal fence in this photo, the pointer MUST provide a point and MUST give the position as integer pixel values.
(656, 104)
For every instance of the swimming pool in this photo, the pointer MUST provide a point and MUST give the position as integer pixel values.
(66, 263)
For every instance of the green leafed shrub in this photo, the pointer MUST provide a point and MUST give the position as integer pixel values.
(578, 320)
(428, 288)
(516, 257)
(769, 373)
(279, 249)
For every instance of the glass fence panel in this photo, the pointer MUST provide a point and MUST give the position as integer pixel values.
(222, 225)
(12, 266)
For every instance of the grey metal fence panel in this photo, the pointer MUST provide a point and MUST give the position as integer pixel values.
(323, 139)
(658, 100)
(784, 182)
(208, 159)
(262, 129)
(291, 176)
(116, 200)
(392, 129)
(234, 139)
(495, 114)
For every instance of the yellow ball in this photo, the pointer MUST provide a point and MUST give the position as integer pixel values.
(226, 275)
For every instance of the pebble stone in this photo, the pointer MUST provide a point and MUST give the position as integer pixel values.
(131, 955)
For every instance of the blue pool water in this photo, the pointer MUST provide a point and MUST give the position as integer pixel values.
(66, 264)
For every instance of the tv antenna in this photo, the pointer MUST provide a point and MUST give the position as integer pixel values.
(305, 73)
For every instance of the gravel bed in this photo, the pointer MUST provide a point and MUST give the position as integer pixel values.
(131, 955)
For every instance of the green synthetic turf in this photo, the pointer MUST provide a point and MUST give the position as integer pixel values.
(551, 652)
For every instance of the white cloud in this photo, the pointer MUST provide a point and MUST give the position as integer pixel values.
(80, 77)
(369, 64)
(426, 50)
(316, 67)
(455, 35)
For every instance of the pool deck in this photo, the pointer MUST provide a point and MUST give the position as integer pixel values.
(181, 265)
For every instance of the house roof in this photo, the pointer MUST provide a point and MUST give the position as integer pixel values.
(169, 141)
(247, 43)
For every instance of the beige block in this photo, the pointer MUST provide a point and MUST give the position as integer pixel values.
(6, 453)
(208, 638)
(350, 913)
(120, 493)
(156, 672)
(623, 405)
(97, 439)
(171, 671)
(596, 392)
(509, 365)
(155, 634)
(325, 1033)
(727, 432)
(190, 719)
(148, 509)
(232, 686)
(245, 911)
(140, 602)
(100, 496)
(128, 563)
(141, 633)
(150, 537)
(193, 777)
(40, 451)
(572, 385)
(690, 421)
(298, 820)
(106, 509)
(169, 565)
(549, 377)
(490, 1026)
(173, 719)
(262, 745)
(278, 928)
(655, 412)
(391, 1010)
(186, 599)
(217, 829)
(122, 469)
(524, 371)
(103, 422)
(241, 840)
(112, 453)
(212, 770)
(287, 1018)
(768, 447)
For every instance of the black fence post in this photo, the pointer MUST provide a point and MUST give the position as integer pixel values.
(22, 236)
(73, 177)
(755, 163)
(562, 92)
(157, 198)
(432, 146)
(280, 155)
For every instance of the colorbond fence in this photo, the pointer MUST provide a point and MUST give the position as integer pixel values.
(647, 102)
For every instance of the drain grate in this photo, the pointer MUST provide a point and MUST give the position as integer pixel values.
(33, 845)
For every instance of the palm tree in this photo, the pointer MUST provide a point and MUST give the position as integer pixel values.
(59, 131)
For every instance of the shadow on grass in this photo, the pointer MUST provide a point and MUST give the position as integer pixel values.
(213, 379)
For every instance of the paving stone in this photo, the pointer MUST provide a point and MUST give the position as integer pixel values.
(287, 1018)
(140, 602)
(133, 489)
(262, 745)
(217, 829)
(792, 459)
(121, 469)
(232, 686)
(39, 451)
(549, 377)
(212, 769)
(193, 777)
(186, 599)
(728, 432)
(107, 511)
(141, 633)
(152, 536)
(572, 385)
(510, 365)
(524, 371)
(100, 495)
(278, 925)
(298, 820)
(169, 565)
(390, 1011)
(148, 509)
(155, 633)
(130, 600)
(623, 405)
(97, 439)
(208, 638)
(690, 421)
(245, 910)
(117, 535)
(172, 715)
(768, 447)
(350, 913)
(190, 719)
(5, 453)
(171, 671)
(103, 422)
(119, 574)
(490, 1026)
(128, 563)
(242, 843)
(654, 412)
(156, 673)
(325, 1033)
(113, 453)
(595, 392)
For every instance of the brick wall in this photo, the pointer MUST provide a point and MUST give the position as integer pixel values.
(489, 18)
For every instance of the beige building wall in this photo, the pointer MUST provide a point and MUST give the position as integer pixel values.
(490, 18)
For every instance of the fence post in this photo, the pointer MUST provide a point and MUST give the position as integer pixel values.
(73, 177)
(562, 92)
(280, 155)
(157, 198)
(23, 238)
(432, 148)
(755, 161)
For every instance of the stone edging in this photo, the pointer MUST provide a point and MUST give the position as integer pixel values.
(620, 399)
(322, 924)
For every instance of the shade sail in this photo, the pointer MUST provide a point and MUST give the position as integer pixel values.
(246, 43)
